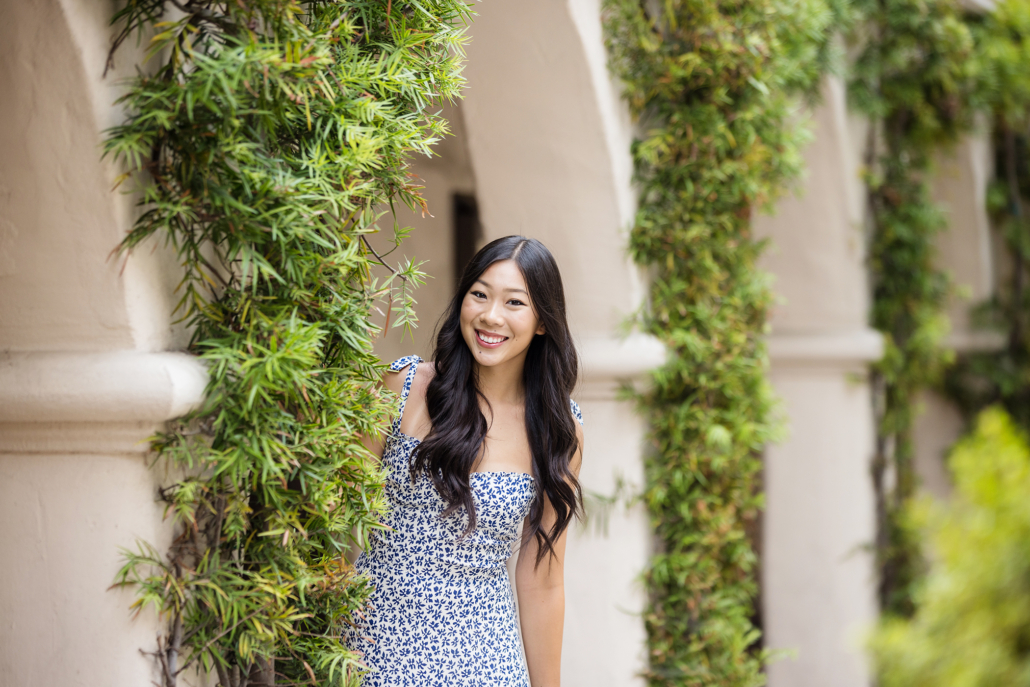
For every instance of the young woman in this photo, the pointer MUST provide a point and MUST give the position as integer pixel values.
(486, 438)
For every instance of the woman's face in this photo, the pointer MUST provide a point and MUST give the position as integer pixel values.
(498, 320)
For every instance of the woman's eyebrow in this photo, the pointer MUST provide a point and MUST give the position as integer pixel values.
(480, 281)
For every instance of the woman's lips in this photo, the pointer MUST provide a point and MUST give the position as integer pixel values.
(491, 340)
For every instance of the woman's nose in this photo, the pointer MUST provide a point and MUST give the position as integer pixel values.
(493, 314)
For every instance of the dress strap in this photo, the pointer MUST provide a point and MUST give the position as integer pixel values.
(576, 411)
(397, 366)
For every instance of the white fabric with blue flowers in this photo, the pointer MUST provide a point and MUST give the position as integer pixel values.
(442, 613)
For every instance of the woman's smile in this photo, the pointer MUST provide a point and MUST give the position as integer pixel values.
(489, 340)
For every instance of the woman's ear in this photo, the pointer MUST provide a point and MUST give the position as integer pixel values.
(540, 330)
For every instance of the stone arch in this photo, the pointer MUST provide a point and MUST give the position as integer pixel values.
(542, 141)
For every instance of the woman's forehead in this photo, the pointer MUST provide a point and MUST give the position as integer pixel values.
(504, 275)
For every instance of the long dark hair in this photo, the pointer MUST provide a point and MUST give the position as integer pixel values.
(459, 428)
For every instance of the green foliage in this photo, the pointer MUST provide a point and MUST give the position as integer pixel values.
(972, 626)
(914, 77)
(267, 142)
(710, 81)
(1003, 53)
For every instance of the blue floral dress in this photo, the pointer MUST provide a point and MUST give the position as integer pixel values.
(442, 613)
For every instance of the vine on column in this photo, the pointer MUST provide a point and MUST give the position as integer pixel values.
(979, 380)
(712, 84)
(914, 79)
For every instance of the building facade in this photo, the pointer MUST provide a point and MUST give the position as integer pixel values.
(89, 362)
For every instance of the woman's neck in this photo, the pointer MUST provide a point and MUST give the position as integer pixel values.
(503, 383)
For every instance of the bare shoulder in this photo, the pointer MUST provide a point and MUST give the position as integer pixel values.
(416, 416)
(415, 419)
(394, 381)
(424, 374)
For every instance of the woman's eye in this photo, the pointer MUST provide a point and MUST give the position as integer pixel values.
(478, 294)
(515, 301)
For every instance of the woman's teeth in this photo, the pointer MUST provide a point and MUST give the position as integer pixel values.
(485, 338)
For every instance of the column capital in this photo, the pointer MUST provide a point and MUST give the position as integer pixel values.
(68, 401)
(607, 362)
(826, 350)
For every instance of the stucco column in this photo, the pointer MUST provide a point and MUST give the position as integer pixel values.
(817, 573)
(84, 376)
(549, 143)
(605, 643)
(966, 250)
(76, 487)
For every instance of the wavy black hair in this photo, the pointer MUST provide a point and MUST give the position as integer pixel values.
(449, 453)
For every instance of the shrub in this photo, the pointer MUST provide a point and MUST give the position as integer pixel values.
(971, 627)
(268, 142)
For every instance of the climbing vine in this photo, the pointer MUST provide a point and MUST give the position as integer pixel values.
(711, 83)
(914, 78)
(267, 143)
(968, 623)
(981, 379)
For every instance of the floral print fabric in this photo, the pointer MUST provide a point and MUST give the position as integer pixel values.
(442, 613)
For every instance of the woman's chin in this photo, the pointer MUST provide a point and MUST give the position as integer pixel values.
(489, 357)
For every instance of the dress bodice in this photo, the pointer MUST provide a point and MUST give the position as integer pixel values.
(418, 533)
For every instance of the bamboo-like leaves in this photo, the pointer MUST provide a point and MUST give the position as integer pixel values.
(268, 143)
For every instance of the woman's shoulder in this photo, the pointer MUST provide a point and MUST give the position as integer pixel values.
(400, 372)
(577, 457)
(576, 412)
(424, 373)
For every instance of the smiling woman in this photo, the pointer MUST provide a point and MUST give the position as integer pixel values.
(486, 437)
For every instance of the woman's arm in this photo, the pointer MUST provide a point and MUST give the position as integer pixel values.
(541, 591)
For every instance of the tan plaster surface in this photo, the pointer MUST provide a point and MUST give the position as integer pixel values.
(57, 223)
(64, 519)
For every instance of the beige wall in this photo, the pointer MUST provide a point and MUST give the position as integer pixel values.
(83, 380)
(65, 516)
(58, 220)
(63, 291)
